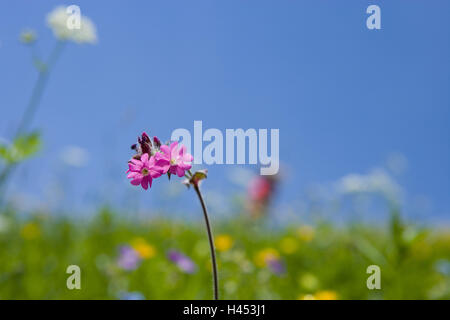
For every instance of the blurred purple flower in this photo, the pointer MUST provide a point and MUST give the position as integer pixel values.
(128, 259)
(131, 296)
(183, 262)
(276, 265)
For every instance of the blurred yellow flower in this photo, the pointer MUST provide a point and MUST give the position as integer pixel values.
(143, 248)
(320, 295)
(28, 36)
(289, 245)
(306, 297)
(305, 233)
(223, 242)
(265, 255)
(309, 282)
(326, 295)
(30, 231)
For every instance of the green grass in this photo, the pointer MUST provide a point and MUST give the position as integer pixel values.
(35, 253)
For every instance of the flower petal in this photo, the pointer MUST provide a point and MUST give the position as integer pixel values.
(156, 172)
(185, 166)
(187, 157)
(132, 167)
(165, 149)
(135, 161)
(173, 150)
(180, 171)
(144, 158)
(144, 183)
(134, 175)
(182, 150)
(136, 182)
(151, 161)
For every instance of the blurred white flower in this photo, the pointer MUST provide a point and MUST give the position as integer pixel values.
(377, 181)
(74, 156)
(57, 21)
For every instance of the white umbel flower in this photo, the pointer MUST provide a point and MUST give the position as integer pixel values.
(57, 21)
(377, 181)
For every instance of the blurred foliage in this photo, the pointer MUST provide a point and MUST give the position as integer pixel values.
(23, 147)
(322, 261)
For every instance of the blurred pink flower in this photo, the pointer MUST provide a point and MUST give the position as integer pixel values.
(143, 171)
(259, 188)
(260, 192)
(173, 159)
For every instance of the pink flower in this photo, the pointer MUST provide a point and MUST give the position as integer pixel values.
(173, 159)
(259, 189)
(143, 171)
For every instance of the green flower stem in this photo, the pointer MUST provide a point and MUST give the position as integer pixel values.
(38, 88)
(211, 243)
(30, 111)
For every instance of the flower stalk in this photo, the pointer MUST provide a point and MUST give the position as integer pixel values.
(38, 89)
(211, 243)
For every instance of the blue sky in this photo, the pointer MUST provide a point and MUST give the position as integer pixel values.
(344, 97)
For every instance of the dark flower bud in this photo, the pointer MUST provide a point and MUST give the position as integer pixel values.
(156, 142)
(146, 138)
(145, 143)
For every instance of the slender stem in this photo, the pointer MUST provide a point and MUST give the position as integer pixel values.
(38, 88)
(33, 103)
(211, 243)
(31, 108)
